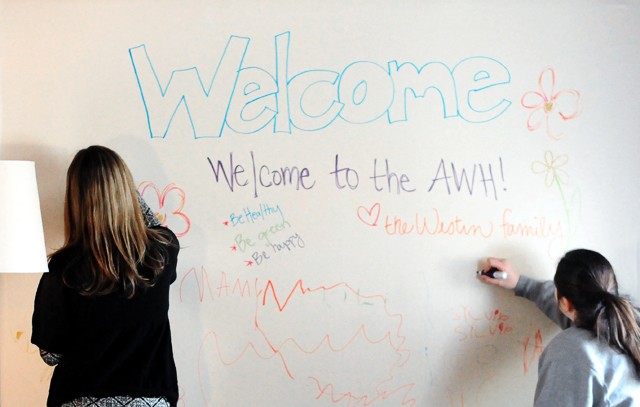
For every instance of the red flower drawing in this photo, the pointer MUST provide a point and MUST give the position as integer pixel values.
(548, 107)
(167, 206)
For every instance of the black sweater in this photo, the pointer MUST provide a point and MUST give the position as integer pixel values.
(110, 345)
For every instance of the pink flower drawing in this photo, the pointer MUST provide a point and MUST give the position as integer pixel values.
(548, 107)
(167, 205)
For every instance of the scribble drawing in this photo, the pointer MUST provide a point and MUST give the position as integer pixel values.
(363, 399)
(316, 344)
(167, 206)
(548, 107)
(532, 351)
(554, 174)
(472, 326)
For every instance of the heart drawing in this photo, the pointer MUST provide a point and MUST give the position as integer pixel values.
(369, 216)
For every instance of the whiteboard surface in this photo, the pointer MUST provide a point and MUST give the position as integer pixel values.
(335, 173)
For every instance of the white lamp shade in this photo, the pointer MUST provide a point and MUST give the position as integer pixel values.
(22, 248)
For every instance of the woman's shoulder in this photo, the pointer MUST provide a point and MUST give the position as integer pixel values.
(61, 259)
(572, 342)
(171, 244)
(572, 337)
(54, 280)
(576, 358)
(164, 230)
(167, 233)
(581, 346)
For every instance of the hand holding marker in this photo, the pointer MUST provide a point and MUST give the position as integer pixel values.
(498, 272)
(493, 273)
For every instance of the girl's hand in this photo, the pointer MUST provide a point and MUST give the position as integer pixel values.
(503, 265)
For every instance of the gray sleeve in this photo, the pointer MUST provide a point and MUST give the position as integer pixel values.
(150, 218)
(565, 377)
(543, 295)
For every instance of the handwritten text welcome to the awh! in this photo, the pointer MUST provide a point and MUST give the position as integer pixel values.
(252, 175)
(247, 99)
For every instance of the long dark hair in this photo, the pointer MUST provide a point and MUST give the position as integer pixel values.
(105, 229)
(587, 280)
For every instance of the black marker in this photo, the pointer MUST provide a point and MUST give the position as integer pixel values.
(493, 273)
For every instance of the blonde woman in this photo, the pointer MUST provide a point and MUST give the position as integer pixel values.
(101, 312)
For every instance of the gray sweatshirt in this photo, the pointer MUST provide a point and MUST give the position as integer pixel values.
(576, 369)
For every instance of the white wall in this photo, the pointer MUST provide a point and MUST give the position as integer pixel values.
(360, 306)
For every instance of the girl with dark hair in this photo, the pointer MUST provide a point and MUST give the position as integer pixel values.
(595, 360)
(101, 312)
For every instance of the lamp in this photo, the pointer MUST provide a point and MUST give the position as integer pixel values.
(22, 248)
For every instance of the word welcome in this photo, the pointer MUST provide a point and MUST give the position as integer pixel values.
(260, 176)
(247, 99)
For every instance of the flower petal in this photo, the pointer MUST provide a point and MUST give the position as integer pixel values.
(568, 102)
(532, 100)
(173, 201)
(547, 82)
(548, 159)
(539, 167)
(560, 161)
(551, 124)
(536, 119)
(549, 178)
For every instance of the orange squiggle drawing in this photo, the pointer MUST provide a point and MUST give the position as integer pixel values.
(394, 340)
(548, 106)
(364, 399)
(166, 217)
(370, 340)
(249, 347)
(536, 350)
(299, 288)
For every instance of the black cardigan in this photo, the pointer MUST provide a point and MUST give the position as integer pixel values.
(110, 345)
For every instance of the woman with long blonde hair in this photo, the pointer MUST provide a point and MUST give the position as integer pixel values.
(101, 312)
